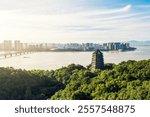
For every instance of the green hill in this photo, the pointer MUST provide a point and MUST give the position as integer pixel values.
(126, 81)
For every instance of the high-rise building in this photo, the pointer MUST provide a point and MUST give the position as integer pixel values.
(110, 46)
(127, 45)
(18, 45)
(116, 46)
(97, 60)
(25, 46)
(7, 45)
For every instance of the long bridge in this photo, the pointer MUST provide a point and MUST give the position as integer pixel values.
(15, 53)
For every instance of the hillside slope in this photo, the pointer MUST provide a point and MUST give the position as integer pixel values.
(126, 81)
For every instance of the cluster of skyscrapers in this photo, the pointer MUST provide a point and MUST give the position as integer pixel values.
(17, 45)
(116, 46)
(8, 45)
(92, 46)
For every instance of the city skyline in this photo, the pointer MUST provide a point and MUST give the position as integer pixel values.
(17, 45)
(62, 21)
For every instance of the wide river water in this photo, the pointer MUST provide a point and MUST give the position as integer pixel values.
(55, 60)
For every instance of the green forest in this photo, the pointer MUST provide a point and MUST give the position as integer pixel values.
(125, 81)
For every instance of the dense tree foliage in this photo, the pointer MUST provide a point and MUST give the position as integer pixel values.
(125, 81)
(21, 84)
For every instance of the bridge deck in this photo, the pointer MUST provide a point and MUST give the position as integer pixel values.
(14, 53)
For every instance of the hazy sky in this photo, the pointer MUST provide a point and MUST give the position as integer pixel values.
(74, 20)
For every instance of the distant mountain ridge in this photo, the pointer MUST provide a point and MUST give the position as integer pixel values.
(139, 43)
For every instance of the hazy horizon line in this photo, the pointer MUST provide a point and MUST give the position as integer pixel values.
(78, 42)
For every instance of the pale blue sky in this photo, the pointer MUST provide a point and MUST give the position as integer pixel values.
(74, 20)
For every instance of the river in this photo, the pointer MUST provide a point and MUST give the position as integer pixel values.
(55, 60)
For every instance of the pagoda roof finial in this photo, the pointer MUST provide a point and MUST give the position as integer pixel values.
(97, 52)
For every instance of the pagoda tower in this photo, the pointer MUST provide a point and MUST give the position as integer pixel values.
(97, 60)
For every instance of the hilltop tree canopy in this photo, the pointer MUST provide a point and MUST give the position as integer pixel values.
(125, 81)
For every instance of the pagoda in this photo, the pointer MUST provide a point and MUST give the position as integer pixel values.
(97, 60)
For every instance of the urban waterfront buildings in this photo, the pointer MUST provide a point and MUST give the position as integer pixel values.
(17, 45)
(7, 45)
(97, 60)
(116, 46)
